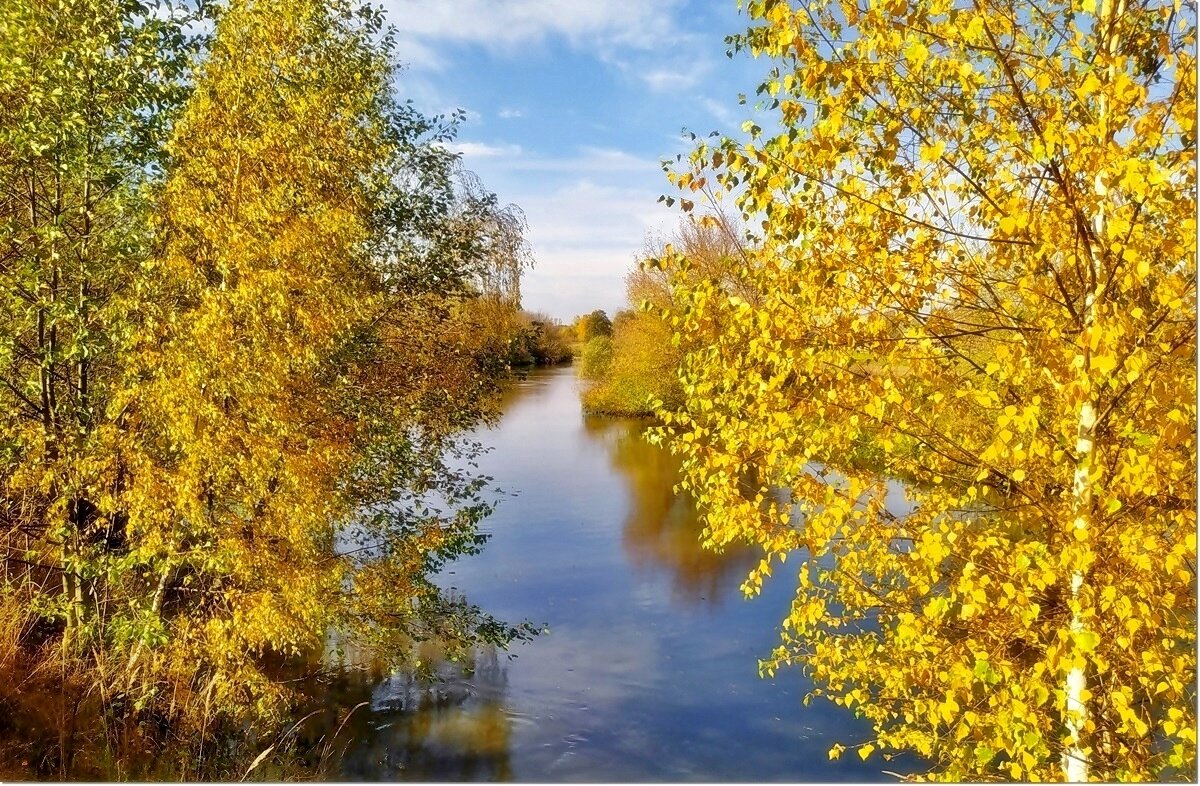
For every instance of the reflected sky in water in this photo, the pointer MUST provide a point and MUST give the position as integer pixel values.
(649, 669)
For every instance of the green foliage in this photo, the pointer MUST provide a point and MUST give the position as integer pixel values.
(633, 372)
(89, 92)
(537, 341)
(593, 325)
(637, 373)
(237, 347)
(596, 358)
(512, 337)
(551, 342)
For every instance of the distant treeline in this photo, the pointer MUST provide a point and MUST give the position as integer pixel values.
(522, 338)
(632, 363)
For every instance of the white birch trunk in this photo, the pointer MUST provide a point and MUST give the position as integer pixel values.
(1075, 758)
(1075, 761)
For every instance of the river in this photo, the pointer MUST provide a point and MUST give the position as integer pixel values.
(647, 669)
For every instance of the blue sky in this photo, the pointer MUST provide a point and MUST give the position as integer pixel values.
(571, 106)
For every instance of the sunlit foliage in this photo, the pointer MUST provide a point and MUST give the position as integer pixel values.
(236, 350)
(518, 338)
(636, 370)
(87, 94)
(592, 325)
(976, 265)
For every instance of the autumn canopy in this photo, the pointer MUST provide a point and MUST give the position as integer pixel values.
(974, 242)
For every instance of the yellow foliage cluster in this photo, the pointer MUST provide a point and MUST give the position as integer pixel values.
(976, 274)
(635, 371)
(237, 346)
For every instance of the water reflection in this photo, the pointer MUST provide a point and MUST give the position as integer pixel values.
(451, 727)
(648, 672)
(662, 529)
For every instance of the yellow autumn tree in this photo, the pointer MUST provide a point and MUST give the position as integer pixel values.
(236, 357)
(88, 90)
(977, 279)
(300, 377)
(636, 370)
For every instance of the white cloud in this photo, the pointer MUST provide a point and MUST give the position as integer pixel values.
(589, 160)
(648, 43)
(666, 80)
(720, 112)
(504, 24)
(416, 54)
(589, 215)
(610, 159)
(430, 97)
(471, 150)
(585, 237)
(586, 214)
(680, 64)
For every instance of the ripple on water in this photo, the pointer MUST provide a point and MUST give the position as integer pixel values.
(651, 670)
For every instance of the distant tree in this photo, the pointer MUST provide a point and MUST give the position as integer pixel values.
(592, 325)
(551, 343)
(641, 369)
(595, 360)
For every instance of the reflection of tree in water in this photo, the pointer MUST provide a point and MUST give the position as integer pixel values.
(445, 723)
(452, 728)
(662, 529)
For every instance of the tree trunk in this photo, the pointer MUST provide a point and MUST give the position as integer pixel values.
(1075, 758)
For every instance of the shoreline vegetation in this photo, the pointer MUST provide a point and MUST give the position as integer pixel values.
(251, 303)
(631, 364)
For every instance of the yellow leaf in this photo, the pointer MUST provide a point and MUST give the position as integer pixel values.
(1104, 363)
(916, 54)
(1090, 85)
(931, 153)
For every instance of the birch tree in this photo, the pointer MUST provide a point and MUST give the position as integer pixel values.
(977, 267)
(300, 381)
(234, 363)
(88, 93)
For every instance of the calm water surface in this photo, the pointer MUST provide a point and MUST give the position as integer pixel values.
(648, 670)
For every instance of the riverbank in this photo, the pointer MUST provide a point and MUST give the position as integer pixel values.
(646, 668)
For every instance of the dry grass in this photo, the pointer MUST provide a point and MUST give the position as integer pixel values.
(61, 718)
